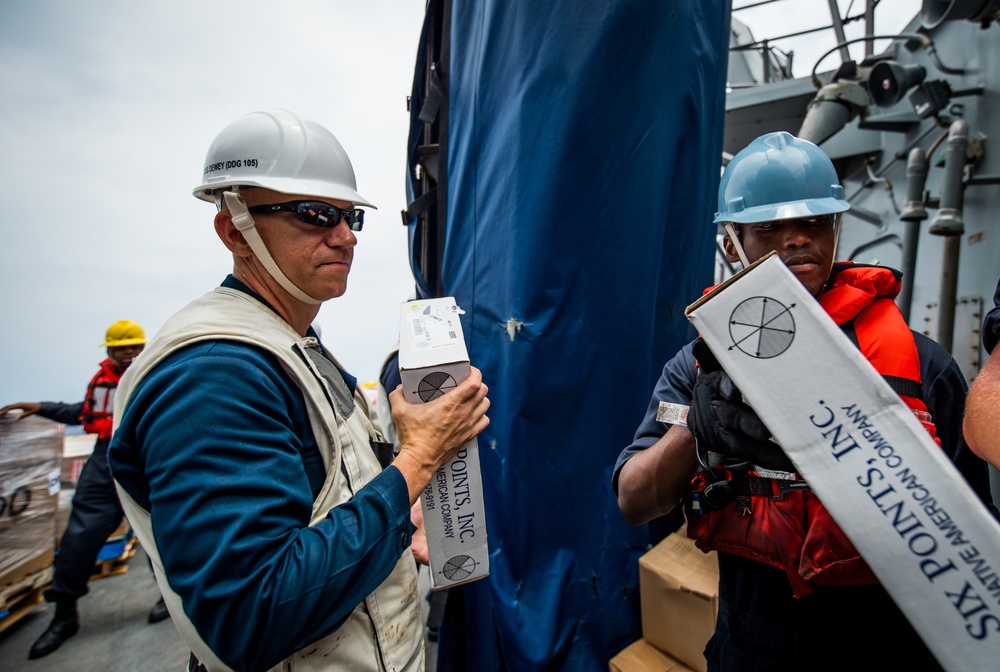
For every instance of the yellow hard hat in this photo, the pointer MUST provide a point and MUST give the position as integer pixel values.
(124, 332)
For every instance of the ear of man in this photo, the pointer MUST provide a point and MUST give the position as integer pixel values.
(230, 235)
(730, 249)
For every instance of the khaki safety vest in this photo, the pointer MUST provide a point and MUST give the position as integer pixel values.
(382, 633)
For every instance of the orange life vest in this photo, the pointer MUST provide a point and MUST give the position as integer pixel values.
(774, 521)
(99, 404)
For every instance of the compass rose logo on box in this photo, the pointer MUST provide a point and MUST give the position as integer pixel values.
(762, 327)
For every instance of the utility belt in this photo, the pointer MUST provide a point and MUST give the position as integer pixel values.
(741, 486)
(772, 517)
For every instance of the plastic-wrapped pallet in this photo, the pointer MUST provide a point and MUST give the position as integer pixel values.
(30, 460)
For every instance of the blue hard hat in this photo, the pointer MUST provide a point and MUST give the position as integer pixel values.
(779, 176)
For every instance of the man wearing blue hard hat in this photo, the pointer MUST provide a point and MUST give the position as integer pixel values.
(794, 593)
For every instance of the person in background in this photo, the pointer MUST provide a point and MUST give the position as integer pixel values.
(388, 380)
(982, 406)
(782, 194)
(244, 453)
(96, 511)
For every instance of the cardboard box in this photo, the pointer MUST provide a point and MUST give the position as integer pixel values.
(77, 449)
(679, 598)
(923, 531)
(641, 656)
(433, 359)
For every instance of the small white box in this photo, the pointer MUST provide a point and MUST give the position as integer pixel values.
(433, 359)
(923, 531)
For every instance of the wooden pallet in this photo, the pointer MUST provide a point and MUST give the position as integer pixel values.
(116, 566)
(25, 592)
(19, 598)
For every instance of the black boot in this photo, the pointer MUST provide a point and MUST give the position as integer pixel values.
(159, 612)
(64, 625)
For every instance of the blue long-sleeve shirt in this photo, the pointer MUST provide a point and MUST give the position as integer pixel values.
(216, 444)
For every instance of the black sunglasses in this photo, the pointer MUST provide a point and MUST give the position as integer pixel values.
(316, 213)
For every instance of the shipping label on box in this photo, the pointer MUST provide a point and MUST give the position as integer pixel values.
(433, 359)
(927, 536)
(679, 598)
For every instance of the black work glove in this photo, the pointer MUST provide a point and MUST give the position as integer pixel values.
(723, 423)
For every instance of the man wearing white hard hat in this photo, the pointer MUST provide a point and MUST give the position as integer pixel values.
(245, 455)
(96, 511)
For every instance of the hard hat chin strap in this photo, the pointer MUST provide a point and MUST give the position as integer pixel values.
(837, 219)
(244, 224)
(733, 236)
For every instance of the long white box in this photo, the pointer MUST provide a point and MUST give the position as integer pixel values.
(926, 535)
(433, 359)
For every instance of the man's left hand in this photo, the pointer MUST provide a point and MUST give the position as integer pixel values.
(722, 422)
(418, 543)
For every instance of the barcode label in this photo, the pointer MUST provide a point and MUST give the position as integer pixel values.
(673, 414)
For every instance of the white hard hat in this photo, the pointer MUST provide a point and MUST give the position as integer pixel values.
(281, 151)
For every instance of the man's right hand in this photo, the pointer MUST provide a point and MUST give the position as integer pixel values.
(431, 434)
(26, 407)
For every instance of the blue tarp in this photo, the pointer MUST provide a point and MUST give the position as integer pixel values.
(584, 141)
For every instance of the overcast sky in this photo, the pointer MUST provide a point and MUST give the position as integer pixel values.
(108, 109)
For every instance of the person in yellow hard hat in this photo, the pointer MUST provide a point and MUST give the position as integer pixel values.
(96, 511)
